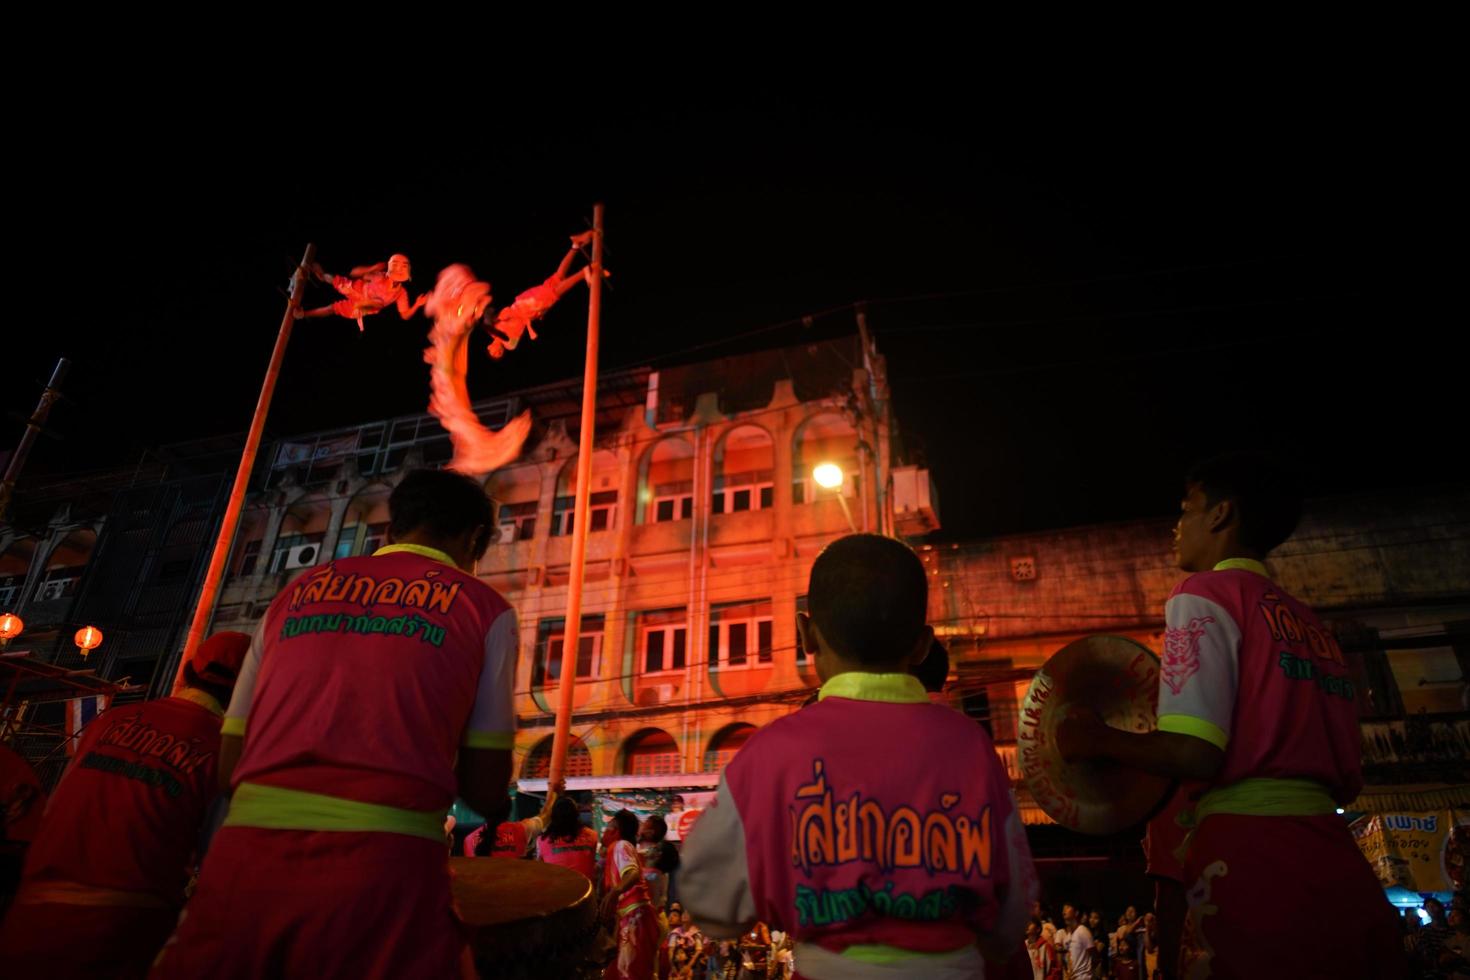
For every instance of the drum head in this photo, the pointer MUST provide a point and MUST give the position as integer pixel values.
(1119, 679)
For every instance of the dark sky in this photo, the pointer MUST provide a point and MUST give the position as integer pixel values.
(1070, 314)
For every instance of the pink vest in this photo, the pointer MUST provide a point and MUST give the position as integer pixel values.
(579, 854)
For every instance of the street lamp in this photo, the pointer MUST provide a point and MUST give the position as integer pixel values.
(829, 476)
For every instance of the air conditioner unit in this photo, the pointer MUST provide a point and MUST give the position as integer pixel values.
(302, 556)
(51, 590)
(666, 692)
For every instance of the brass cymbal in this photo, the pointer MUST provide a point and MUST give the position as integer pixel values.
(1119, 679)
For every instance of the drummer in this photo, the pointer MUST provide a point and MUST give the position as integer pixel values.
(879, 905)
(332, 860)
(1256, 700)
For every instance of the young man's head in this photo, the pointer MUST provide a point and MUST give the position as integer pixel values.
(622, 825)
(1033, 930)
(1436, 911)
(1239, 505)
(444, 510)
(216, 664)
(1069, 915)
(867, 605)
(398, 268)
(653, 830)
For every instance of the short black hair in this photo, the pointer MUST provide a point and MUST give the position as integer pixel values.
(869, 597)
(933, 670)
(627, 822)
(442, 502)
(1266, 492)
(660, 826)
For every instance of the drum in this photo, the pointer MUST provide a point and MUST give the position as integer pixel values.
(525, 919)
(1119, 679)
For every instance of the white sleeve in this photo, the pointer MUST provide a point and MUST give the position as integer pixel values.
(244, 693)
(714, 879)
(1199, 673)
(492, 723)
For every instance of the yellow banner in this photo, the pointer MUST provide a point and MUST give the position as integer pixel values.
(1421, 851)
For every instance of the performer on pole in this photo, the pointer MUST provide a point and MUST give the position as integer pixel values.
(105, 878)
(1256, 699)
(510, 323)
(368, 289)
(377, 690)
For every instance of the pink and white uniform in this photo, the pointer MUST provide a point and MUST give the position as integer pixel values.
(365, 678)
(875, 827)
(1251, 670)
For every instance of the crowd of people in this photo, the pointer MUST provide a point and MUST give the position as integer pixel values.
(870, 835)
(1079, 944)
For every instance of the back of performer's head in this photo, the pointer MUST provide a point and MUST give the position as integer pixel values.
(653, 829)
(867, 603)
(449, 509)
(1264, 492)
(565, 823)
(216, 664)
(933, 670)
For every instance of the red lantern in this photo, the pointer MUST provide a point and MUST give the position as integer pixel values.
(10, 626)
(88, 638)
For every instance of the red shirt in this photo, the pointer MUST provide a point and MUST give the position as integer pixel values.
(128, 812)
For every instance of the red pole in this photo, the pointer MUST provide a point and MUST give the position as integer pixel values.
(572, 632)
(231, 523)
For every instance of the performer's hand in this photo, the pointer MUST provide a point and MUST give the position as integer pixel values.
(1078, 734)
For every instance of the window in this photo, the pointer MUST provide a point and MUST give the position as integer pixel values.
(60, 583)
(663, 640)
(602, 510)
(549, 642)
(249, 557)
(740, 634)
(724, 745)
(347, 543)
(517, 522)
(743, 491)
(673, 501)
(377, 536)
(652, 753)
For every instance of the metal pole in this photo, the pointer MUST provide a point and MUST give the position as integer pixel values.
(231, 523)
(33, 429)
(572, 632)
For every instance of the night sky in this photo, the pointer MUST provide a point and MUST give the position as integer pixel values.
(1070, 316)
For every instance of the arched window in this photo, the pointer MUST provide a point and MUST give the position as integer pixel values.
(651, 752)
(724, 745)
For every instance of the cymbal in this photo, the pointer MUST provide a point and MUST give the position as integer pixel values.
(1119, 679)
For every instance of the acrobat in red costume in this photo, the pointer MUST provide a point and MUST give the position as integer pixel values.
(516, 319)
(369, 289)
